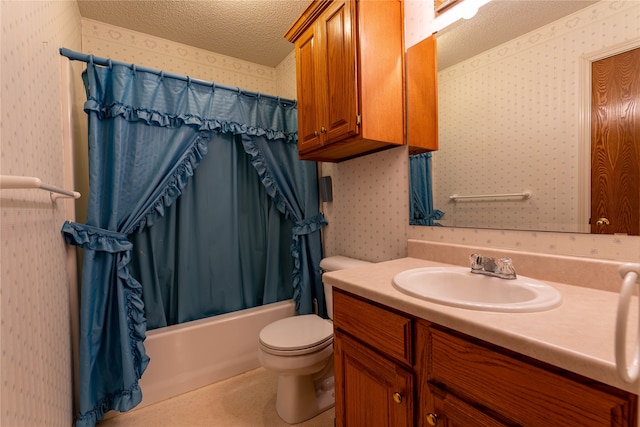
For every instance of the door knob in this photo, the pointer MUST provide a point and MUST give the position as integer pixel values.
(602, 221)
(432, 419)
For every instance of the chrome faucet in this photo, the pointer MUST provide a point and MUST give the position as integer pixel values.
(501, 267)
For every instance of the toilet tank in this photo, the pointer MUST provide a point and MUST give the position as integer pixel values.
(334, 263)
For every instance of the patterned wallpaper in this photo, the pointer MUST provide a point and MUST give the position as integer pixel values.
(370, 207)
(286, 77)
(35, 355)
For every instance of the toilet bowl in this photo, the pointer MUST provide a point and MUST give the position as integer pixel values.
(300, 350)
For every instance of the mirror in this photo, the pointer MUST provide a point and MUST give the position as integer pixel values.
(511, 113)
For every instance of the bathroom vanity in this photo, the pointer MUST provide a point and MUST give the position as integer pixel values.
(402, 361)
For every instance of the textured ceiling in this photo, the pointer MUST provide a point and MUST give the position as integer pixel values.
(251, 30)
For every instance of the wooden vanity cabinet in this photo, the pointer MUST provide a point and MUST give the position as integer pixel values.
(392, 369)
(350, 78)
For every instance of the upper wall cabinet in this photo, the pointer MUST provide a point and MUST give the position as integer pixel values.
(422, 96)
(350, 78)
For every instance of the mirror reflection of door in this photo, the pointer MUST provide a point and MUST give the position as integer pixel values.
(615, 144)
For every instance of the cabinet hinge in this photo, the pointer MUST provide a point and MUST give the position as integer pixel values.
(358, 119)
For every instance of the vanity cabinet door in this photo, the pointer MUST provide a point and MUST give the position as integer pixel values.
(449, 411)
(371, 390)
(515, 389)
(387, 331)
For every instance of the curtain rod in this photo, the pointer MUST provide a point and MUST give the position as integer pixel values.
(84, 57)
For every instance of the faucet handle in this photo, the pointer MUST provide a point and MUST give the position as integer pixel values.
(476, 261)
(505, 268)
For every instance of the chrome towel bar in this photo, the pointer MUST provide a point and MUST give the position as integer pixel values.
(524, 195)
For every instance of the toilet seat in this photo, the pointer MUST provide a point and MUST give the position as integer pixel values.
(297, 335)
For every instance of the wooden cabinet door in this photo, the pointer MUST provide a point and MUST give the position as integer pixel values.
(422, 96)
(446, 410)
(521, 390)
(339, 58)
(326, 63)
(310, 90)
(371, 390)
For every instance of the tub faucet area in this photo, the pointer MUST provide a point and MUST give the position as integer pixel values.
(501, 267)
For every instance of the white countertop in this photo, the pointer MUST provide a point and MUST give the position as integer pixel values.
(577, 336)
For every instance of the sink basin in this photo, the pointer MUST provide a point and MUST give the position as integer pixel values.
(458, 287)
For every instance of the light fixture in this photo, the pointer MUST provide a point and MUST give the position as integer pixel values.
(469, 9)
(466, 9)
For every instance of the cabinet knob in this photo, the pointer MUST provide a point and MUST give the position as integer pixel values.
(315, 133)
(602, 221)
(397, 397)
(432, 419)
(323, 129)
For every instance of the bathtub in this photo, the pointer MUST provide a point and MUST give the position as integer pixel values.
(190, 355)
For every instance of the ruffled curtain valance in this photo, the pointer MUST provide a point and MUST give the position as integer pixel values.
(167, 102)
(147, 134)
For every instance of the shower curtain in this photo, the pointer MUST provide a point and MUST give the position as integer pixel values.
(420, 191)
(148, 132)
(223, 229)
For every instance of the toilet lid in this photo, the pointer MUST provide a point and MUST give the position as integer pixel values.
(297, 333)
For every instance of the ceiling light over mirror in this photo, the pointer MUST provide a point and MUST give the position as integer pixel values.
(456, 10)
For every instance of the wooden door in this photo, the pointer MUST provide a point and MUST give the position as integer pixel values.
(615, 144)
(371, 390)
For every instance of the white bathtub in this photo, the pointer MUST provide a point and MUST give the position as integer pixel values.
(194, 354)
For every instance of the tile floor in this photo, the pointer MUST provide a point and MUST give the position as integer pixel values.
(246, 400)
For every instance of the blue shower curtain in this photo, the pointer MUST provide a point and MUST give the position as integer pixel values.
(148, 132)
(222, 246)
(421, 207)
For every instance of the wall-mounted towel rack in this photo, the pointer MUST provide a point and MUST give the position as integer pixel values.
(11, 181)
(524, 195)
(630, 274)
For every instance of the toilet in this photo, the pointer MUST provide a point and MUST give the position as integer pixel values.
(300, 350)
